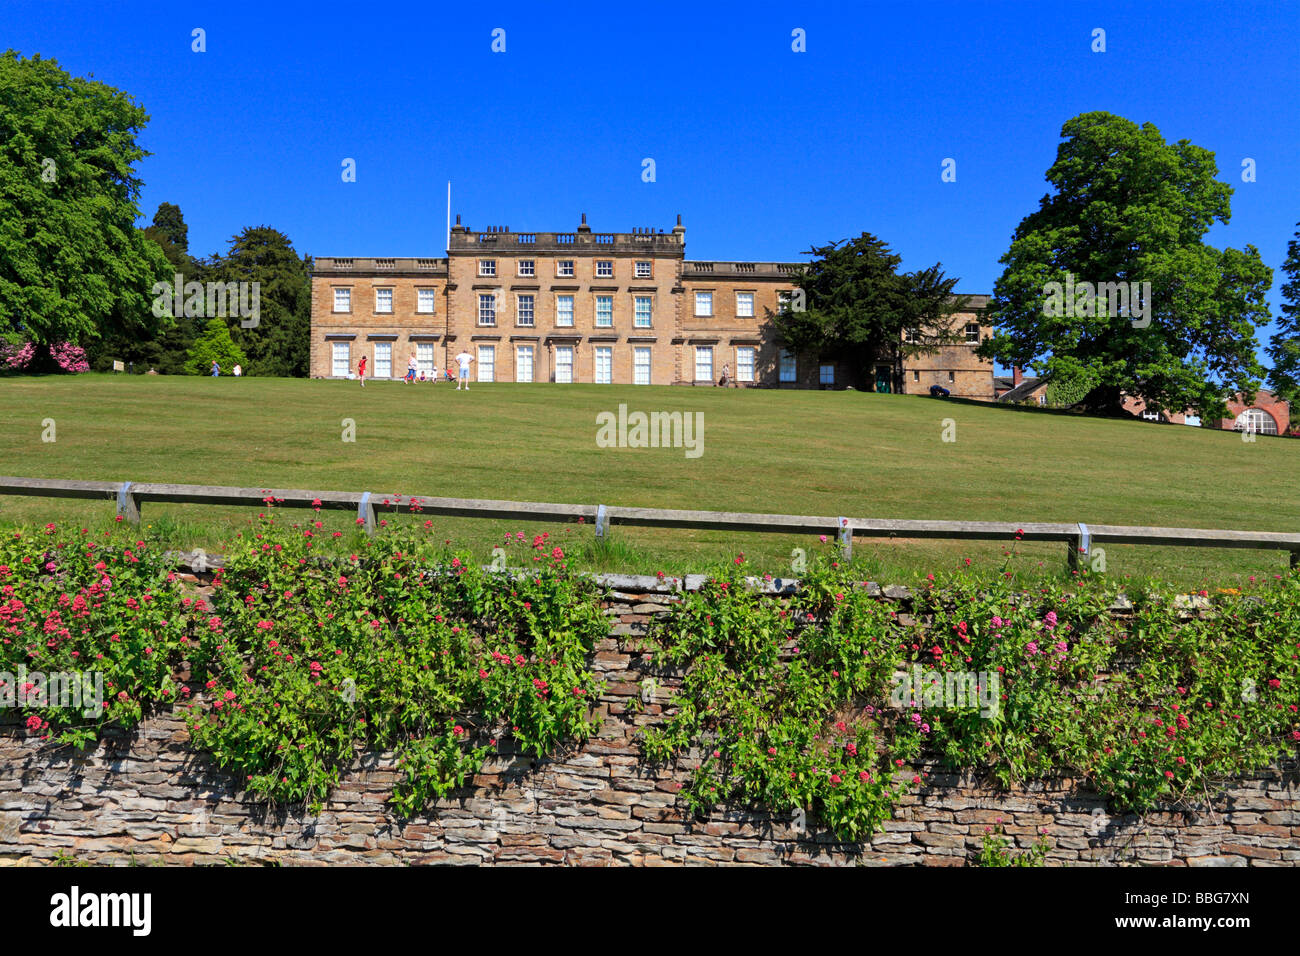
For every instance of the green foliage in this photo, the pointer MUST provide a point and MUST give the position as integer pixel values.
(1062, 392)
(1149, 711)
(996, 851)
(858, 306)
(213, 344)
(73, 266)
(304, 662)
(1284, 346)
(1127, 206)
(404, 647)
(280, 343)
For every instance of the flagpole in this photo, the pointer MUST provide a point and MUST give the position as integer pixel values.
(448, 214)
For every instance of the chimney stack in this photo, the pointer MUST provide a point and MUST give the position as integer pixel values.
(1017, 376)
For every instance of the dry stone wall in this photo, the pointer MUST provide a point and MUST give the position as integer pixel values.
(146, 797)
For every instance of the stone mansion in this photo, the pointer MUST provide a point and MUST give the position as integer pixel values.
(586, 306)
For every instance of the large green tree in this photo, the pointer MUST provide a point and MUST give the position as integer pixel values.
(1284, 346)
(857, 306)
(214, 345)
(1127, 207)
(73, 265)
(279, 342)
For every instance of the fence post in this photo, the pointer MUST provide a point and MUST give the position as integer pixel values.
(366, 513)
(846, 539)
(128, 506)
(1080, 545)
(602, 522)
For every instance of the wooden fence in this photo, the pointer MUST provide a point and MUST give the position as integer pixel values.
(1078, 537)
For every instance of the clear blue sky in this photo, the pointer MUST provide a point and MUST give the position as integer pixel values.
(763, 151)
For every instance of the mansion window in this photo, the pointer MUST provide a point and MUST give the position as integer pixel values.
(642, 318)
(487, 309)
(384, 300)
(524, 311)
(604, 311)
(972, 332)
(787, 366)
(564, 311)
(745, 304)
(487, 267)
(704, 304)
(604, 268)
(342, 300)
(643, 270)
(564, 267)
(745, 363)
(425, 300)
(527, 267)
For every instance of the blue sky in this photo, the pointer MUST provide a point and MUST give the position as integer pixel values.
(764, 151)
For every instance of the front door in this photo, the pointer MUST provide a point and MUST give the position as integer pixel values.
(884, 376)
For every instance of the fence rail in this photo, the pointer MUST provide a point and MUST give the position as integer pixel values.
(1078, 537)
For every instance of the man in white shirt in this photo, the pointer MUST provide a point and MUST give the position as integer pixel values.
(462, 361)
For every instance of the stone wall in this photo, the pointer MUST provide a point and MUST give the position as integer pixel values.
(146, 797)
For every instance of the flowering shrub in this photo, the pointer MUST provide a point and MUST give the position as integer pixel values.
(71, 604)
(304, 662)
(16, 357)
(70, 358)
(403, 647)
(798, 706)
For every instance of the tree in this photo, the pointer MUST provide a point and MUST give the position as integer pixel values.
(214, 345)
(169, 224)
(857, 306)
(1129, 208)
(73, 266)
(1284, 346)
(280, 342)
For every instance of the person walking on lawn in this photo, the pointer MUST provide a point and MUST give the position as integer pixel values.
(361, 371)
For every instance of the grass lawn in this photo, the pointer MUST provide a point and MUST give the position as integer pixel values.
(795, 452)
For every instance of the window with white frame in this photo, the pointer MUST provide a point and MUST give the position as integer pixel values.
(425, 362)
(383, 360)
(704, 303)
(564, 311)
(487, 309)
(523, 363)
(641, 365)
(426, 300)
(487, 267)
(383, 300)
(342, 300)
(972, 332)
(1255, 420)
(787, 366)
(745, 356)
(604, 311)
(525, 311)
(704, 363)
(527, 267)
(604, 365)
(487, 363)
(783, 299)
(911, 336)
(745, 304)
(341, 359)
(604, 268)
(563, 364)
(827, 375)
(641, 318)
(564, 267)
(643, 270)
